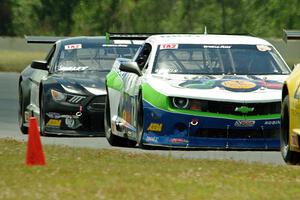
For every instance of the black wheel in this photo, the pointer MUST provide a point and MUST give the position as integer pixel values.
(112, 139)
(21, 109)
(42, 115)
(140, 123)
(289, 156)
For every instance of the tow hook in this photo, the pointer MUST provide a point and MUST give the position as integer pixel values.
(79, 113)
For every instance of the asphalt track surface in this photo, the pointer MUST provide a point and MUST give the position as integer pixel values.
(9, 129)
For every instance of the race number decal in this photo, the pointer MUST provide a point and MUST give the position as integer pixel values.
(168, 46)
(73, 46)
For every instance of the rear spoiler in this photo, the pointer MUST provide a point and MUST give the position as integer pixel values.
(126, 36)
(42, 39)
(291, 35)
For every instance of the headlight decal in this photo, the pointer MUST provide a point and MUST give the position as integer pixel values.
(63, 97)
(181, 103)
(58, 96)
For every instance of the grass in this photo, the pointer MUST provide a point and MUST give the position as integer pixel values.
(77, 173)
(16, 61)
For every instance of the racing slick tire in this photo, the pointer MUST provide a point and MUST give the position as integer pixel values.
(21, 108)
(42, 115)
(288, 156)
(140, 123)
(112, 139)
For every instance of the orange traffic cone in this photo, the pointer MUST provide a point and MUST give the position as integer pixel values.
(35, 154)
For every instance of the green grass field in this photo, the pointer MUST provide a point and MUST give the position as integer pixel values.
(78, 173)
(16, 61)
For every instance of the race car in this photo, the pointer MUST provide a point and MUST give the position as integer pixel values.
(197, 91)
(290, 111)
(66, 91)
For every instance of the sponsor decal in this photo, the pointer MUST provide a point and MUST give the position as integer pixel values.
(115, 45)
(199, 84)
(273, 122)
(239, 85)
(73, 68)
(73, 46)
(151, 139)
(217, 46)
(53, 115)
(261, 47)
(272, 85)
(53, 122)
(168, 46)
(244, 123)
(178, 140)
(156, 127)
(244, 109)
(70, 122)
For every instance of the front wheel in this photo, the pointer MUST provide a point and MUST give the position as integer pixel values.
(21, 117)
(140, 123)
(42, 116)
(289, 156)
(112, 139)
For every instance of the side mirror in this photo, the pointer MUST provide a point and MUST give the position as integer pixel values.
(39, 64)
(131, 67)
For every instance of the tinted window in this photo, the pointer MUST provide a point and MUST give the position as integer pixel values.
(93, 56)
(218, 59)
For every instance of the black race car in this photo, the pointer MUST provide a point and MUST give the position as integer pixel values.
(66, 91)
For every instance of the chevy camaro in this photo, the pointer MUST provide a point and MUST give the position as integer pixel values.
(197, 91)
(66, 91)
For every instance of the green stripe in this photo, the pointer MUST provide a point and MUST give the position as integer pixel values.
(114, 81)
(163, 102)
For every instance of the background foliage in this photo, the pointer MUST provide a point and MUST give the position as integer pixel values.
(264, 18)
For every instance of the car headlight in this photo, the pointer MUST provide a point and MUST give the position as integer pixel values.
(58, 96)
(181, 103)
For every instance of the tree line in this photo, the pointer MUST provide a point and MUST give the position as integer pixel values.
(264, 18)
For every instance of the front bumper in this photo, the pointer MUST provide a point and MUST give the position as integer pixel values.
(76, 120)
(163, 128)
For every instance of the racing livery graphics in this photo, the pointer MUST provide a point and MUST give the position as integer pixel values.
(197, 91)
(66, 92)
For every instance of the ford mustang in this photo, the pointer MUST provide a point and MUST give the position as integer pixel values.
(290, 112)
(197, 91)
(66, 91)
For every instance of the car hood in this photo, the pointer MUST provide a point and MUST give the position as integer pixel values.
(229, 88)
(84, 82)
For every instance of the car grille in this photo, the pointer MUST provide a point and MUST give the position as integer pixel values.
(230, 108)
(97, 103)
(74, 99)
(233, 108)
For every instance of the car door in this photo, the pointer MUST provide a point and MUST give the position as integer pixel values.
(130, 92)
(36, 78)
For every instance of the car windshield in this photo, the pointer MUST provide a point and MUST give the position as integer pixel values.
(96, 56)
(218, 59)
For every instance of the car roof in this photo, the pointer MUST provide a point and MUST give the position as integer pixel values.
(82, 39)
(205, 39)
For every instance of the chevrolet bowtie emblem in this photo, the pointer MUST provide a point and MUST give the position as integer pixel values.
(243, 109)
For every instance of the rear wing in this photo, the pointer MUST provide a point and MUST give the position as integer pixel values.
(291, 35)
(127, 36)
(42, 39)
